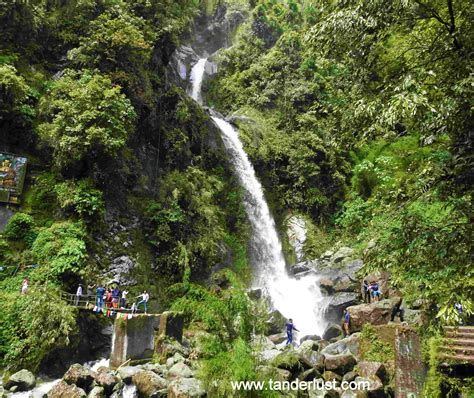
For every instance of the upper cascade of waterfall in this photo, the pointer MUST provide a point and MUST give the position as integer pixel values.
(299, 299)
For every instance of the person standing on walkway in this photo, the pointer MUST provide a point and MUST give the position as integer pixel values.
(123, 299)
(116, 297)
(145, 297)
(78, 295)
(100, 291)
(289, 331)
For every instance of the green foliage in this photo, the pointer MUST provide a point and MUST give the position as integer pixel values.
(31, 326)
(86, 116)
(115, 38)
(373, 348)
(19, 226)
(60, 249)
(13, 88)
(81, 197)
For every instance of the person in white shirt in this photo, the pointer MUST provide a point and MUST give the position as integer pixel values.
(24, 286)
(78, 295)
(145, 297)
(123, 299)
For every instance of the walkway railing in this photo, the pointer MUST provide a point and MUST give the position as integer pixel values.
(88, 302)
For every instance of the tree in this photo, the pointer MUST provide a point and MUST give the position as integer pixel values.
(85, 117)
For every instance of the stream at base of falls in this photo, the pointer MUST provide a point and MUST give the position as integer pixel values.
(296, 298)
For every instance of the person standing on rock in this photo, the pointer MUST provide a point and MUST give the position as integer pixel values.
(366, 291)
(116, 297)
(78, 295)
(145, 297)
(345, 325)
(375, 291)
(289, 331)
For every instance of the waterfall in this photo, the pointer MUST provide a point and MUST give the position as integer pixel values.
(299, 299)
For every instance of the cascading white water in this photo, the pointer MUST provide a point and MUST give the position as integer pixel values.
(299, 299)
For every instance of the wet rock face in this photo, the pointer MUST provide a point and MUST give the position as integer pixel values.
(338, 303)
(23, 380)
(276, 322)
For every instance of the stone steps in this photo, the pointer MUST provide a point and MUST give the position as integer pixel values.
(458, 344)
(465, 350)
(458, 358)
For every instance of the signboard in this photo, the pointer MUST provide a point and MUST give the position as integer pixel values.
(12, 177)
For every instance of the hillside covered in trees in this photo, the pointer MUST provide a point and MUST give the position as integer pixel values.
(356, 115)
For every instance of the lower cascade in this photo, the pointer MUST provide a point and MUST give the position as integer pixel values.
(299, 299)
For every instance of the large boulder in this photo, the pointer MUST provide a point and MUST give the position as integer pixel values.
(349, 344)
(260, 342)
(309, 356)
(377, 313)
(105, 379)
(370, 369)
(80, 376)
(290, 360)
(126, 373)
(332, 330)
(185, 388)
(149, 383)
(341, 254)
(65, 390)
(338, 303)
(275, 322)
(180, 370)
(268, 355)
(278, 338)
(341, 363)
(375, 387)
(23, 380)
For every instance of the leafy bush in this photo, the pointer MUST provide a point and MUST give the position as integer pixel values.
(31, 326)
(19, 226)
(60, 249)
(13, 88)
(86, 116)
(81, 197)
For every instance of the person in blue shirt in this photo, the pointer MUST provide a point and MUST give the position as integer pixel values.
(289, 331)
(100, 291)
(375, 291)
(116, 293)
(345, 325)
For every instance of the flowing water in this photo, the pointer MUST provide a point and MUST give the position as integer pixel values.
(299, 299)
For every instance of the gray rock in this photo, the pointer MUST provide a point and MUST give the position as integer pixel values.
(80, 376)
(23, 380)
(327, 255)
(276, 322)
(349, 344)
(313, 337)
(376, 389)
(120, 269)
(299, 268)
(338, 303)
(332, 331)
(180, 370)
(106, 379)
(261, 342)
(370, 369)
(97, 392)
(350, 376)
(185, 387)
(65, 390)
(377, 313)
(268, 355)
(127, 372)
(277, 338)
(341, 363)
(341, 254)
(148, 383)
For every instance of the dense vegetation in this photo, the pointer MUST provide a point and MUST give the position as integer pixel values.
(110, 140)
(357, 114)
